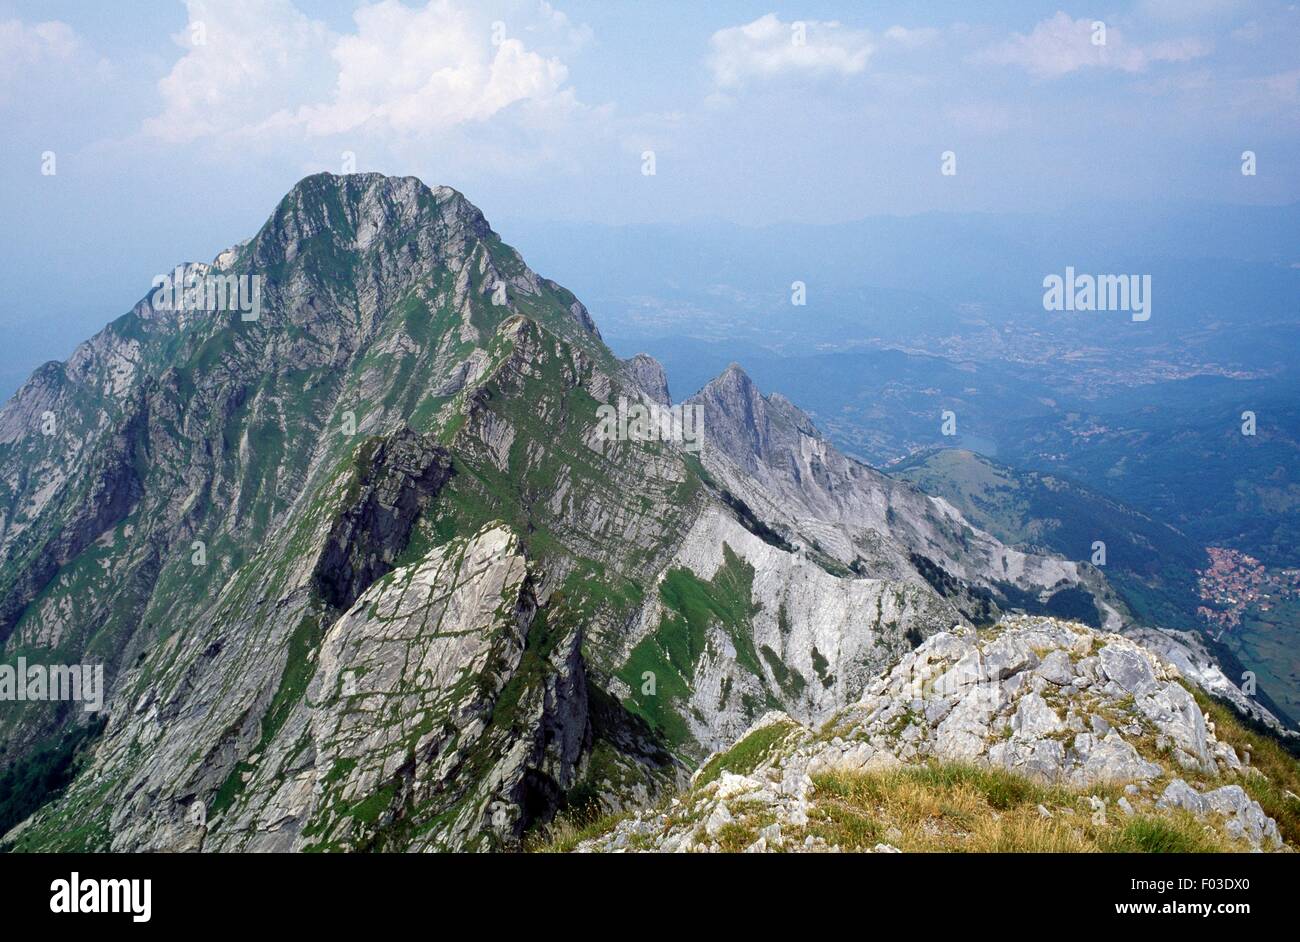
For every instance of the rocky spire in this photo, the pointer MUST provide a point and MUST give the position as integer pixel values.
(648, 373)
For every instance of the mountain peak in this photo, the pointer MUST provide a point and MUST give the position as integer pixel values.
(649, 374)
(425, 556)
(746, 424)
(349, 184)
(356, 211)
(736, 416)
(342, 251)
(735, 373)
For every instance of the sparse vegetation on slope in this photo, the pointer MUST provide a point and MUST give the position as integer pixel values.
(1277, 788)
(954, 807)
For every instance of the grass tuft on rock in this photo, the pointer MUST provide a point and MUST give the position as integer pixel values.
(951, 807)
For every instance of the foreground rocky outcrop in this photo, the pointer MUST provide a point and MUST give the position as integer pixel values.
(1188, 652)
(1102, 731)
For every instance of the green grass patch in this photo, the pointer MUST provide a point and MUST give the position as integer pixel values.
(746, 755)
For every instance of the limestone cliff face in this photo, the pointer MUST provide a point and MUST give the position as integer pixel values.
(364, 573)
(831, 505)
(843, 569)
(808, 638)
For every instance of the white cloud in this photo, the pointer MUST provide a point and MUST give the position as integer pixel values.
(912, 38)
(40, 47)
(769, 47)
(425, 70)
(553, 25)
(267, 68)
(1061, 45)
(22, 45)
(244, 61)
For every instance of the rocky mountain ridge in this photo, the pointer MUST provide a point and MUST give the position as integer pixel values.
(365, 574)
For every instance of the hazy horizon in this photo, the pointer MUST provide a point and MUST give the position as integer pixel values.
(190, 121)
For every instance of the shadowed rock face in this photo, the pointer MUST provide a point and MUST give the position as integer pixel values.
(396, 480)
(364, 575)
(112, 485)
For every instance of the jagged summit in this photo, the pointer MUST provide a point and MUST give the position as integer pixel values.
(650, 376)
(364, 421)
(733, 381)
(751, 428)
(358, 209)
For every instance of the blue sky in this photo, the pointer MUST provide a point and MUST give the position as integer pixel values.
(177, 127)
